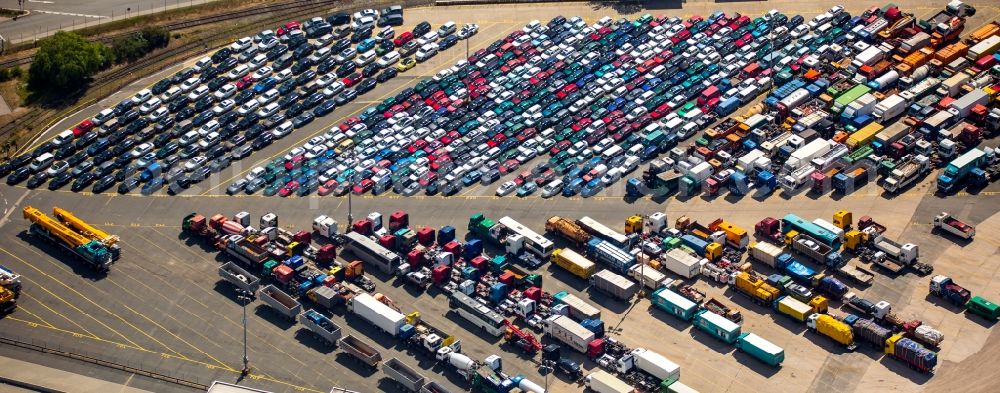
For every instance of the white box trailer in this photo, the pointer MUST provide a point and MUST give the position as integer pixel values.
(747, 162)
(682, 263)
(602, 382)
(766, 253)
(804, 155)
(567, 331)
(613, 284)
(377, 313)
(648, 276)
(890, 107)
(651, 363)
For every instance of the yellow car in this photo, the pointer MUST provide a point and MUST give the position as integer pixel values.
(406, 64)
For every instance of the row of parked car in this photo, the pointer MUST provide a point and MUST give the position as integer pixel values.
(597, 99)
(224, 107)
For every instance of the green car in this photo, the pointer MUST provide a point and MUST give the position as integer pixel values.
(272, 189)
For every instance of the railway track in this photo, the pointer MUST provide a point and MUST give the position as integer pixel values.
(121, 75)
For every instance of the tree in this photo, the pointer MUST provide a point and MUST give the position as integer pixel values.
(65, 61)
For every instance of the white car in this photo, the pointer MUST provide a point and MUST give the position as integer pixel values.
(142, 96)
(333, 89)
(241, 44)
(248, 107)
(150, 105)
(314, 141)
(190, 83)
(227, 90)
(294, 152)
(326, 79)
(282, 130)
(158, 114)
(262, 72)
(223, 107)
(468, 30)
(799, 31)
(255, 173)
(195, 163)
(283, 75)
(141, 150)
(506, 188)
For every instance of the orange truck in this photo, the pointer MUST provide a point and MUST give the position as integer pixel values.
(949, 54)
(914, 60)
(986, 31)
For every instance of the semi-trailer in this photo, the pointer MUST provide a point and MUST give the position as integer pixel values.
(754, 287)
(650, 363)
(868, 331)
(682, 263)
(911, 353)
(815, 250)
(673, 303)
(404, 376)
(832, 328)
(613, 284)
(856, 273)
(360, 350)
(798, 310)
(717, 326)
(320, 325)
(281, 302)
(760, 349)
(91, 252)
(958, 169)
(948, 223)
(377, 313)
(610, 255)
(575, 263)
(239, 277)
(602, 382)
(563, 329)
(578, 308)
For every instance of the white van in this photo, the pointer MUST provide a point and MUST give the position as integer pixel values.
(552, 189)
(269, 110)
(103, 116)
(448, 28)
(238, 72)
(63, 138)
(388, 59)
(612, 176)
(612, 152)
(202, 63)
(42, 162)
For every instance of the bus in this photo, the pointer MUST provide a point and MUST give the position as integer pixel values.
(537, 244)
(371, 252)
(793, 222)
(600, 230)
(486, 319)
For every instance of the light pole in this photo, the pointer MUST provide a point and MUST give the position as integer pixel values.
(245, 297)
(350, 190)
(547, 368)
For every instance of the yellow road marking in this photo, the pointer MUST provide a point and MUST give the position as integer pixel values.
(20, 307)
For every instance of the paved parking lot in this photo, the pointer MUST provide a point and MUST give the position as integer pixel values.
(163, 308)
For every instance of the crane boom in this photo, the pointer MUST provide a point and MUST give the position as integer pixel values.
(70, 238)
(83, 228)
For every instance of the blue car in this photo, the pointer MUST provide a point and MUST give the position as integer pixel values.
(572, 187)
(265, 85)
(366, 45)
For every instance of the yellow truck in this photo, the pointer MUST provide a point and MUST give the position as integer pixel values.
(801, 311)
(577, 264)
(754, 287)
(7, 301)
(735, 235)
(832, 328)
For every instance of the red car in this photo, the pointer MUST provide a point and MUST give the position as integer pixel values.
(83, 128)
(509, 166)
(289, 188)
(403, 38)
(328, 187)
(419, 144)
(562, 145)
(365, 186)
(244, 82)
(352, 79)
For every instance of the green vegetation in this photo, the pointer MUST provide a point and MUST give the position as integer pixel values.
(65, 61)
(135, 46)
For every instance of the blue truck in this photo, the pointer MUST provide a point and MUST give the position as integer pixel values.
(959, 169)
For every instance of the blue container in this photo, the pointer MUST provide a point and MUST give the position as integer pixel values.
(473, 249)
(318, 280)
(594, 325)
(446, 234)
(470, 273)
(749, 145)
(304, 287)
(498, 292)
(695, 243)
(739, 184)
(766, 181)
(406, 331)
(295, 262)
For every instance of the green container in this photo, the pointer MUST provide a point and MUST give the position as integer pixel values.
(718, 326)
(760, 349)
(498, 264)
(268, 268)
(984, 308)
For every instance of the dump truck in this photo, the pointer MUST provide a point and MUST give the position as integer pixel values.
(434, 387)
(832, 328)
(578, 308)
(722, 309)
(320, 325)
(89, 231)
(91, 252)
(943, 287)
(405, 376)
(602, 382)
(361, 351)
(856, 273)
(817, 251)
(575, 263)
(384, 318)
(798, 310)
(754, 287)
(240, 278)
(760, 349)
(281, 302)
(868, 330)
(911, 353)
(948, 223)
(568, 229)
(673, 303)
(613, 284)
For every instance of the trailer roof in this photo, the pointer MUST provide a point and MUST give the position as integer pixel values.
(761, 343)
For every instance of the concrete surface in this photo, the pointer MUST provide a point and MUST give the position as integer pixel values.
(42, 378)
(162, 308)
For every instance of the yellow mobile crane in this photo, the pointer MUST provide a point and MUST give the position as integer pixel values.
(90, 251)
(89, 231)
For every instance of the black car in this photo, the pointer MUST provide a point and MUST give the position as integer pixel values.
(346, 69)
(244, 96)
(303, 119)
(326, 66)
(124, 106)
(276, 52)
(255, 131)
(202, 118)
(37, 180)
(570, 368)
(189, 151)
(287, 87)
(324, 108)
(216, 83)
(82, 182)
(313, 100)
(5, 169)
(238, 139)
(306, 76)
(60, 180)
(296, 109)
(346, 97)
(209, 72)
(301, 66)
(168, 149)
(289, 99)
(303, 51)
(65, 151)
(282, 63)
(263, 141)
(447, 42)
(421, 28)
(18, 175)
(215, 152)
(365, 86)
(340, 45)
(161, 86)
(339, 19)
(361, 35)
(228, 118)
(387, 74)
(128, 185)
(227, 64)
(370, 70)
(182, 75)
(103, 184)
(221, 54)
(177, 104)
(390, 20)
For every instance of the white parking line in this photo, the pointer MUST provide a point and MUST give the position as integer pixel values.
(70, 14)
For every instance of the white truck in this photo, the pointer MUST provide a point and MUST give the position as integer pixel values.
(805, 154)
(648, 276)
(325, 226)
(651, 363)
(682, 263)
(890, 107)
(910, 169)
(831, 158)
(798, 178)
(948, 223)
(578, 308)
(565, 330)
(613, 284)
(602, 382)
(375, 312)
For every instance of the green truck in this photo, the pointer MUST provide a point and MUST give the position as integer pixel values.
(984, 308)
(760, 349)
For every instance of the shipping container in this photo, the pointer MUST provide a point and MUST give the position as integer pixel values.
(674, 303)
(613, 284)
(718, 326)
(760, 348)
(682, 263)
